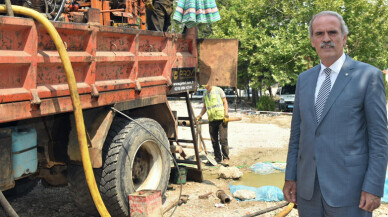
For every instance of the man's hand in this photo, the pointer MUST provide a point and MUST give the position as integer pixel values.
(289, 191)
(369, 202)
(226, 119)
(198, 118)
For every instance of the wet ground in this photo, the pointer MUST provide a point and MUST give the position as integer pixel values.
(257, 180)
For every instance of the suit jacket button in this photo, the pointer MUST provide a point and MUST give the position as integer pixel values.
(317, 133)
(314, 158)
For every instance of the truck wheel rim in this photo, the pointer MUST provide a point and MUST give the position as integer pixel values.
(147, 166)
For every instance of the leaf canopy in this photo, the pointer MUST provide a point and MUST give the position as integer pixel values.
(274, 45)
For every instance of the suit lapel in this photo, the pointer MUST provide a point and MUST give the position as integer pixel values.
(342, 80)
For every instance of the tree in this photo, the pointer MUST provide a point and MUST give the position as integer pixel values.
(274, 42)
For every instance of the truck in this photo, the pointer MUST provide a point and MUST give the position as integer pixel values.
(118, 66)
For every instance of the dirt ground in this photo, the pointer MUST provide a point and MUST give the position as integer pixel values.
(257, 138)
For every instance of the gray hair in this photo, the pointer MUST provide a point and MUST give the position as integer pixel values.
(344, 27)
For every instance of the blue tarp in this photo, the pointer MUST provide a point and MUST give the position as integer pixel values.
(268, 168)
(264, 193)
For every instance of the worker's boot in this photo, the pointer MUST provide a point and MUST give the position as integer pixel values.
(225, 162)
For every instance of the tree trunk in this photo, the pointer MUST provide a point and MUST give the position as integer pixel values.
(254, 97)
(270, 91)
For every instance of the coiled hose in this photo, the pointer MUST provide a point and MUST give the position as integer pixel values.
(286, 210)
(283, 213)
(79, 120)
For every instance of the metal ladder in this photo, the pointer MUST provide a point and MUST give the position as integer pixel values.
(192, 173)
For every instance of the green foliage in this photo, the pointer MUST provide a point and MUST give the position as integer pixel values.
(266, 103)
(274, 44)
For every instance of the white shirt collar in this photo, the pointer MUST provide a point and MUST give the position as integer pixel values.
(337, 65)
(336, 68)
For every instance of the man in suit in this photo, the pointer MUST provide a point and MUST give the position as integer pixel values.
(337, 155)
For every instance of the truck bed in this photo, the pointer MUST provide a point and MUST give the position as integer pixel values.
(110, 65)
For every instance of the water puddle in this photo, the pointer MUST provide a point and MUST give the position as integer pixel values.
(257, 180)
(207, 175)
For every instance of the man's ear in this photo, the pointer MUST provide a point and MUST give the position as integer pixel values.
(345, 39)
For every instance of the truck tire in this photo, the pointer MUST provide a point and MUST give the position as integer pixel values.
(133, 160)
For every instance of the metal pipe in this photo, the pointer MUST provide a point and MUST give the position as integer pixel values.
(204, 196)
(184, 123)
(113, 10)
(46, 7)
(178, 149)
(179, 201)
(223, 197)
(7, 207)
(230, 119)
(60, 10)
(9, 8)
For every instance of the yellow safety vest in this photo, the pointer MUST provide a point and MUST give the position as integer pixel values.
(214, 105)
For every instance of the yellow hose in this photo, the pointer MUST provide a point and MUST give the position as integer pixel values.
(286, 210)
(79, 120)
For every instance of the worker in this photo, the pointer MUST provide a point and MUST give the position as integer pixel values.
(158, 14)
(216, 106)
(337, 155)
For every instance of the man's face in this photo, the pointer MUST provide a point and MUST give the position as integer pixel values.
(327, 39)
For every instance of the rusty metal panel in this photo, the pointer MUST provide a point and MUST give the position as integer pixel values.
(99, 120)
(110, 64)
(97, 123)
(218, 62)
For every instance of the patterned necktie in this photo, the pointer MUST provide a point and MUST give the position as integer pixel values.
(323, 94)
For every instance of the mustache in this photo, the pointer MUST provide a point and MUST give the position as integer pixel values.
(330, 43)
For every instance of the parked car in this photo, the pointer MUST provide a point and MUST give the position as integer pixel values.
(198, 94)
(229, 93)
(286, 97)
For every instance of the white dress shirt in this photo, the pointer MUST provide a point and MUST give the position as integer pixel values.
(335, 69)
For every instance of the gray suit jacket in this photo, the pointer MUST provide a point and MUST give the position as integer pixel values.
(348, 148)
